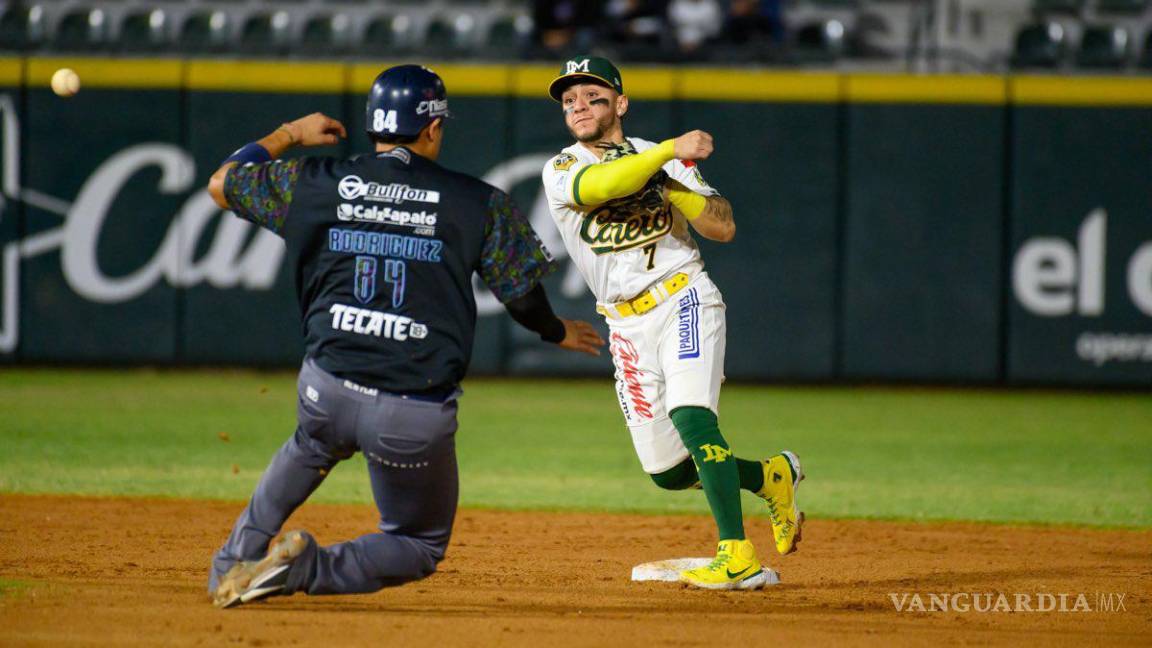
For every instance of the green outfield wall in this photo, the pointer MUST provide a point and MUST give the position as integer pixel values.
(990, 230)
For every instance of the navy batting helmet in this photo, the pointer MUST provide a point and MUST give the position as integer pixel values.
(403, 100)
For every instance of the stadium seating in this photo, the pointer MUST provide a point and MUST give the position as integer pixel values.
(507, 34)
(439, 36)
(144, 31)
(1042, 45)
(385, 35)
(265, 33)
(819, 42)
(326, 35)
(1104, 47)
(971, 35)
(205, 32)
(21, 28)
(449, 36)
(1146, 56)
(81, 30)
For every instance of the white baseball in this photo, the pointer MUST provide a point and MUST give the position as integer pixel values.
(65, 82)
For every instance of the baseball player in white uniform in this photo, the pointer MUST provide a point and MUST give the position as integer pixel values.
(624, 207)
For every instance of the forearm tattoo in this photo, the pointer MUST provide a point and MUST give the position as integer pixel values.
(718, 208)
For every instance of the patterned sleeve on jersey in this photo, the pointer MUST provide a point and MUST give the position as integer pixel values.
(513, 259)
(261, 193)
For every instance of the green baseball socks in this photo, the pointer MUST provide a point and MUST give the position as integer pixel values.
(719, 475)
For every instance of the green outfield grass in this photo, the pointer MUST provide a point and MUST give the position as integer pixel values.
(1004, 456)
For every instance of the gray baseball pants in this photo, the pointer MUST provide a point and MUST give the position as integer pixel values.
(410, 447)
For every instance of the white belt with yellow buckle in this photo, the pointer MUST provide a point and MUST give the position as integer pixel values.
(646, 301)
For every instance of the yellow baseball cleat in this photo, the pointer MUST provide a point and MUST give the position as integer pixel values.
(779, 491)
(735, 567)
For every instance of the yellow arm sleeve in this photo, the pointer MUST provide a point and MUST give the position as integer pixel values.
(690, 203)
(596, 184)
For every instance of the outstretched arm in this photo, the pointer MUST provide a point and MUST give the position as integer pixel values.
(534, 312)
(512, 263)
(596, 184)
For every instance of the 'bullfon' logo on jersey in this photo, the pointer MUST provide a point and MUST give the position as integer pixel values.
(352, 187)
(630, 222)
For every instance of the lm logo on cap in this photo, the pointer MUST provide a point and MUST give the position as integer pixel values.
(574, 66)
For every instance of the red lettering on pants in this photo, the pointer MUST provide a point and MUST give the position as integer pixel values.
(626, 358)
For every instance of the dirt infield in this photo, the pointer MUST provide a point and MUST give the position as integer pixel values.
(132, 572)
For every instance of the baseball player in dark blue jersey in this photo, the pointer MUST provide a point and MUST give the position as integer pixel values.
(383, 247)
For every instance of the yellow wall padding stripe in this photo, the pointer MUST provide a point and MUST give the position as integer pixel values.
(11, 71)
(1081, 91)
(266, 76)
(109, 72)
(937, 89)
(531, 81)
(363, 74)
(647, 83)
(460, 80)
(757, 85)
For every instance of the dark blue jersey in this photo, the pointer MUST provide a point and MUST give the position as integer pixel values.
(383, 249)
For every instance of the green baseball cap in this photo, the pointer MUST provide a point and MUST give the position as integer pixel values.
(586, 69)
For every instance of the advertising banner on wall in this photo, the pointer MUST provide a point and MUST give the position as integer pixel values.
(1080, 308)
(888, 228)
(923, 229)
(102, 173)
(238, 300)
(777, 161)
(11, 205)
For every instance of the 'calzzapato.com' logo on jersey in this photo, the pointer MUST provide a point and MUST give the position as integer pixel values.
(386, 215)
(352, 187)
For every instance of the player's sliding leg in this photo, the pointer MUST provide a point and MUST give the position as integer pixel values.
(410, 449)
(417, 503)
(295, 472)
(417, 507)
(416, 497)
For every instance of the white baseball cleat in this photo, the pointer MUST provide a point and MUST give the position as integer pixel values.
(247, 582)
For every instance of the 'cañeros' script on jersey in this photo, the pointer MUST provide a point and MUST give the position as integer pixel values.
(629, 222)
